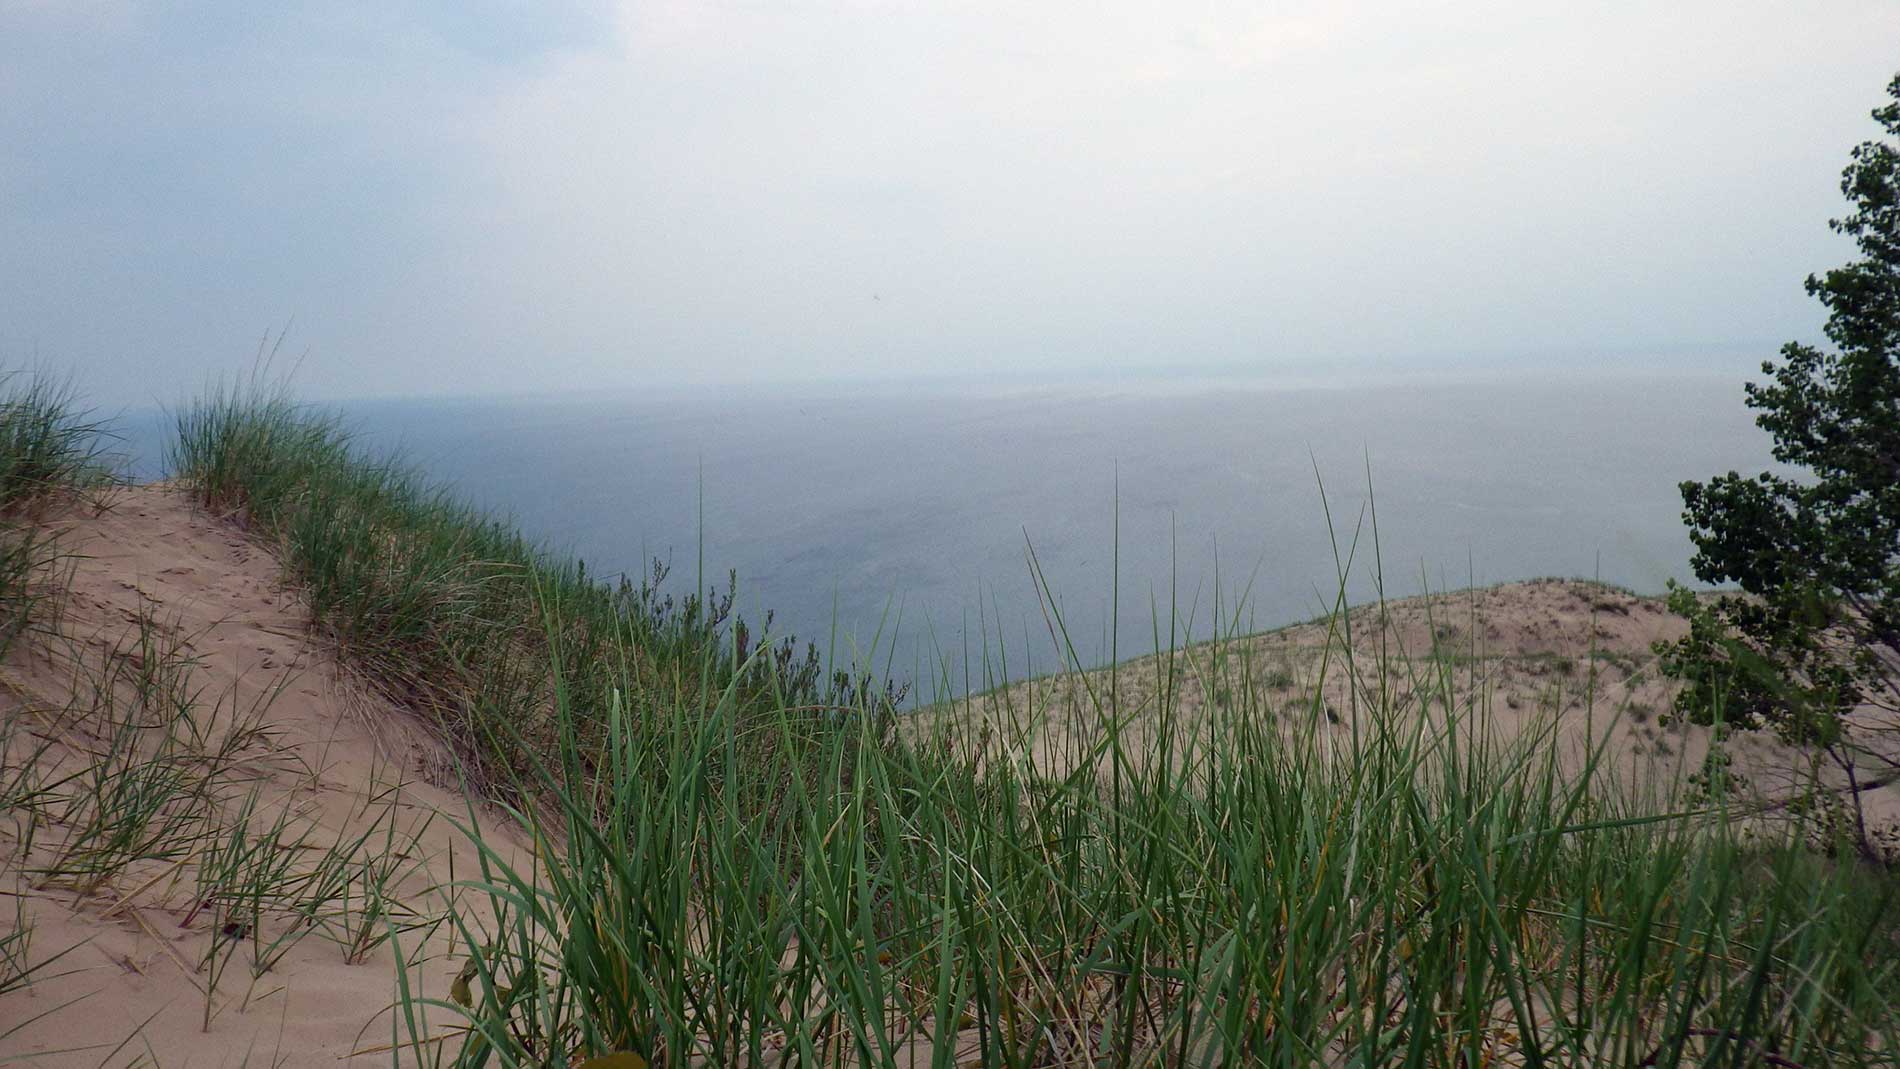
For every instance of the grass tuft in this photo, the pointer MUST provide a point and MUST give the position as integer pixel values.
(49, 447)
(50, 451)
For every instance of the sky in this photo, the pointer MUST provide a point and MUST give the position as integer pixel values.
(474, 197)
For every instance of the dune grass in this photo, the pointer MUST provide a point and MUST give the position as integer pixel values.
(145, 794)
(1409, 891)
(455, 613)
(50, 450)
(738, 866)
(48, 445)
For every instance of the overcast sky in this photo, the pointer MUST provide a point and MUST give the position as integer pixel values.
(478, 196)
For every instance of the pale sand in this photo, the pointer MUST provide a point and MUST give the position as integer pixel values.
(340, 758)
(136, 971)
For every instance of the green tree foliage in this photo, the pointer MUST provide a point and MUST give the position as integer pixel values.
(1809, 648)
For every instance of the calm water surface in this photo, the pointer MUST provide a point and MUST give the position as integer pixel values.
(911, 514)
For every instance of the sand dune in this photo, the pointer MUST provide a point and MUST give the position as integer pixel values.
(157, 585)
(213, 677)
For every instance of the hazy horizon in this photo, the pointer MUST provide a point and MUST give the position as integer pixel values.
(288, 378)
(499, 198)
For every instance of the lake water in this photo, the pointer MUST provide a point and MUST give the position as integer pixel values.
(910, 513)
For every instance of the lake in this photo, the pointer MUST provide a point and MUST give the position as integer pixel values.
(902, 519)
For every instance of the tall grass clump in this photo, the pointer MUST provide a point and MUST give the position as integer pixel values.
(454, 612)
(48, 446)
(1406, 889)
(50, 451)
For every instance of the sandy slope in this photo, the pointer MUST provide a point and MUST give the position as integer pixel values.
(339, 760)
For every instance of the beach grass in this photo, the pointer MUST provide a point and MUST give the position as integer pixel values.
(144, 793)
(1410, 892)
(51, 450)
(722, 877)
(49, 445)
(455, 613)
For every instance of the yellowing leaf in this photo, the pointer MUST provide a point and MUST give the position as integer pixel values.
(459, 987)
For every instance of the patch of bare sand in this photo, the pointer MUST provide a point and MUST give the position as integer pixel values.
(164, 595)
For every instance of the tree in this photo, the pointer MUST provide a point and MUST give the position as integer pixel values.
(1810, 647)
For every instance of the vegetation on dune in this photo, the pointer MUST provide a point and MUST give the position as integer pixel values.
(1810, 647)
(1415, 893)
(731, 869)
(49, 447)
(737, 862)
(457, 614)
(147, 787)
(49, 450)
(145, 769)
